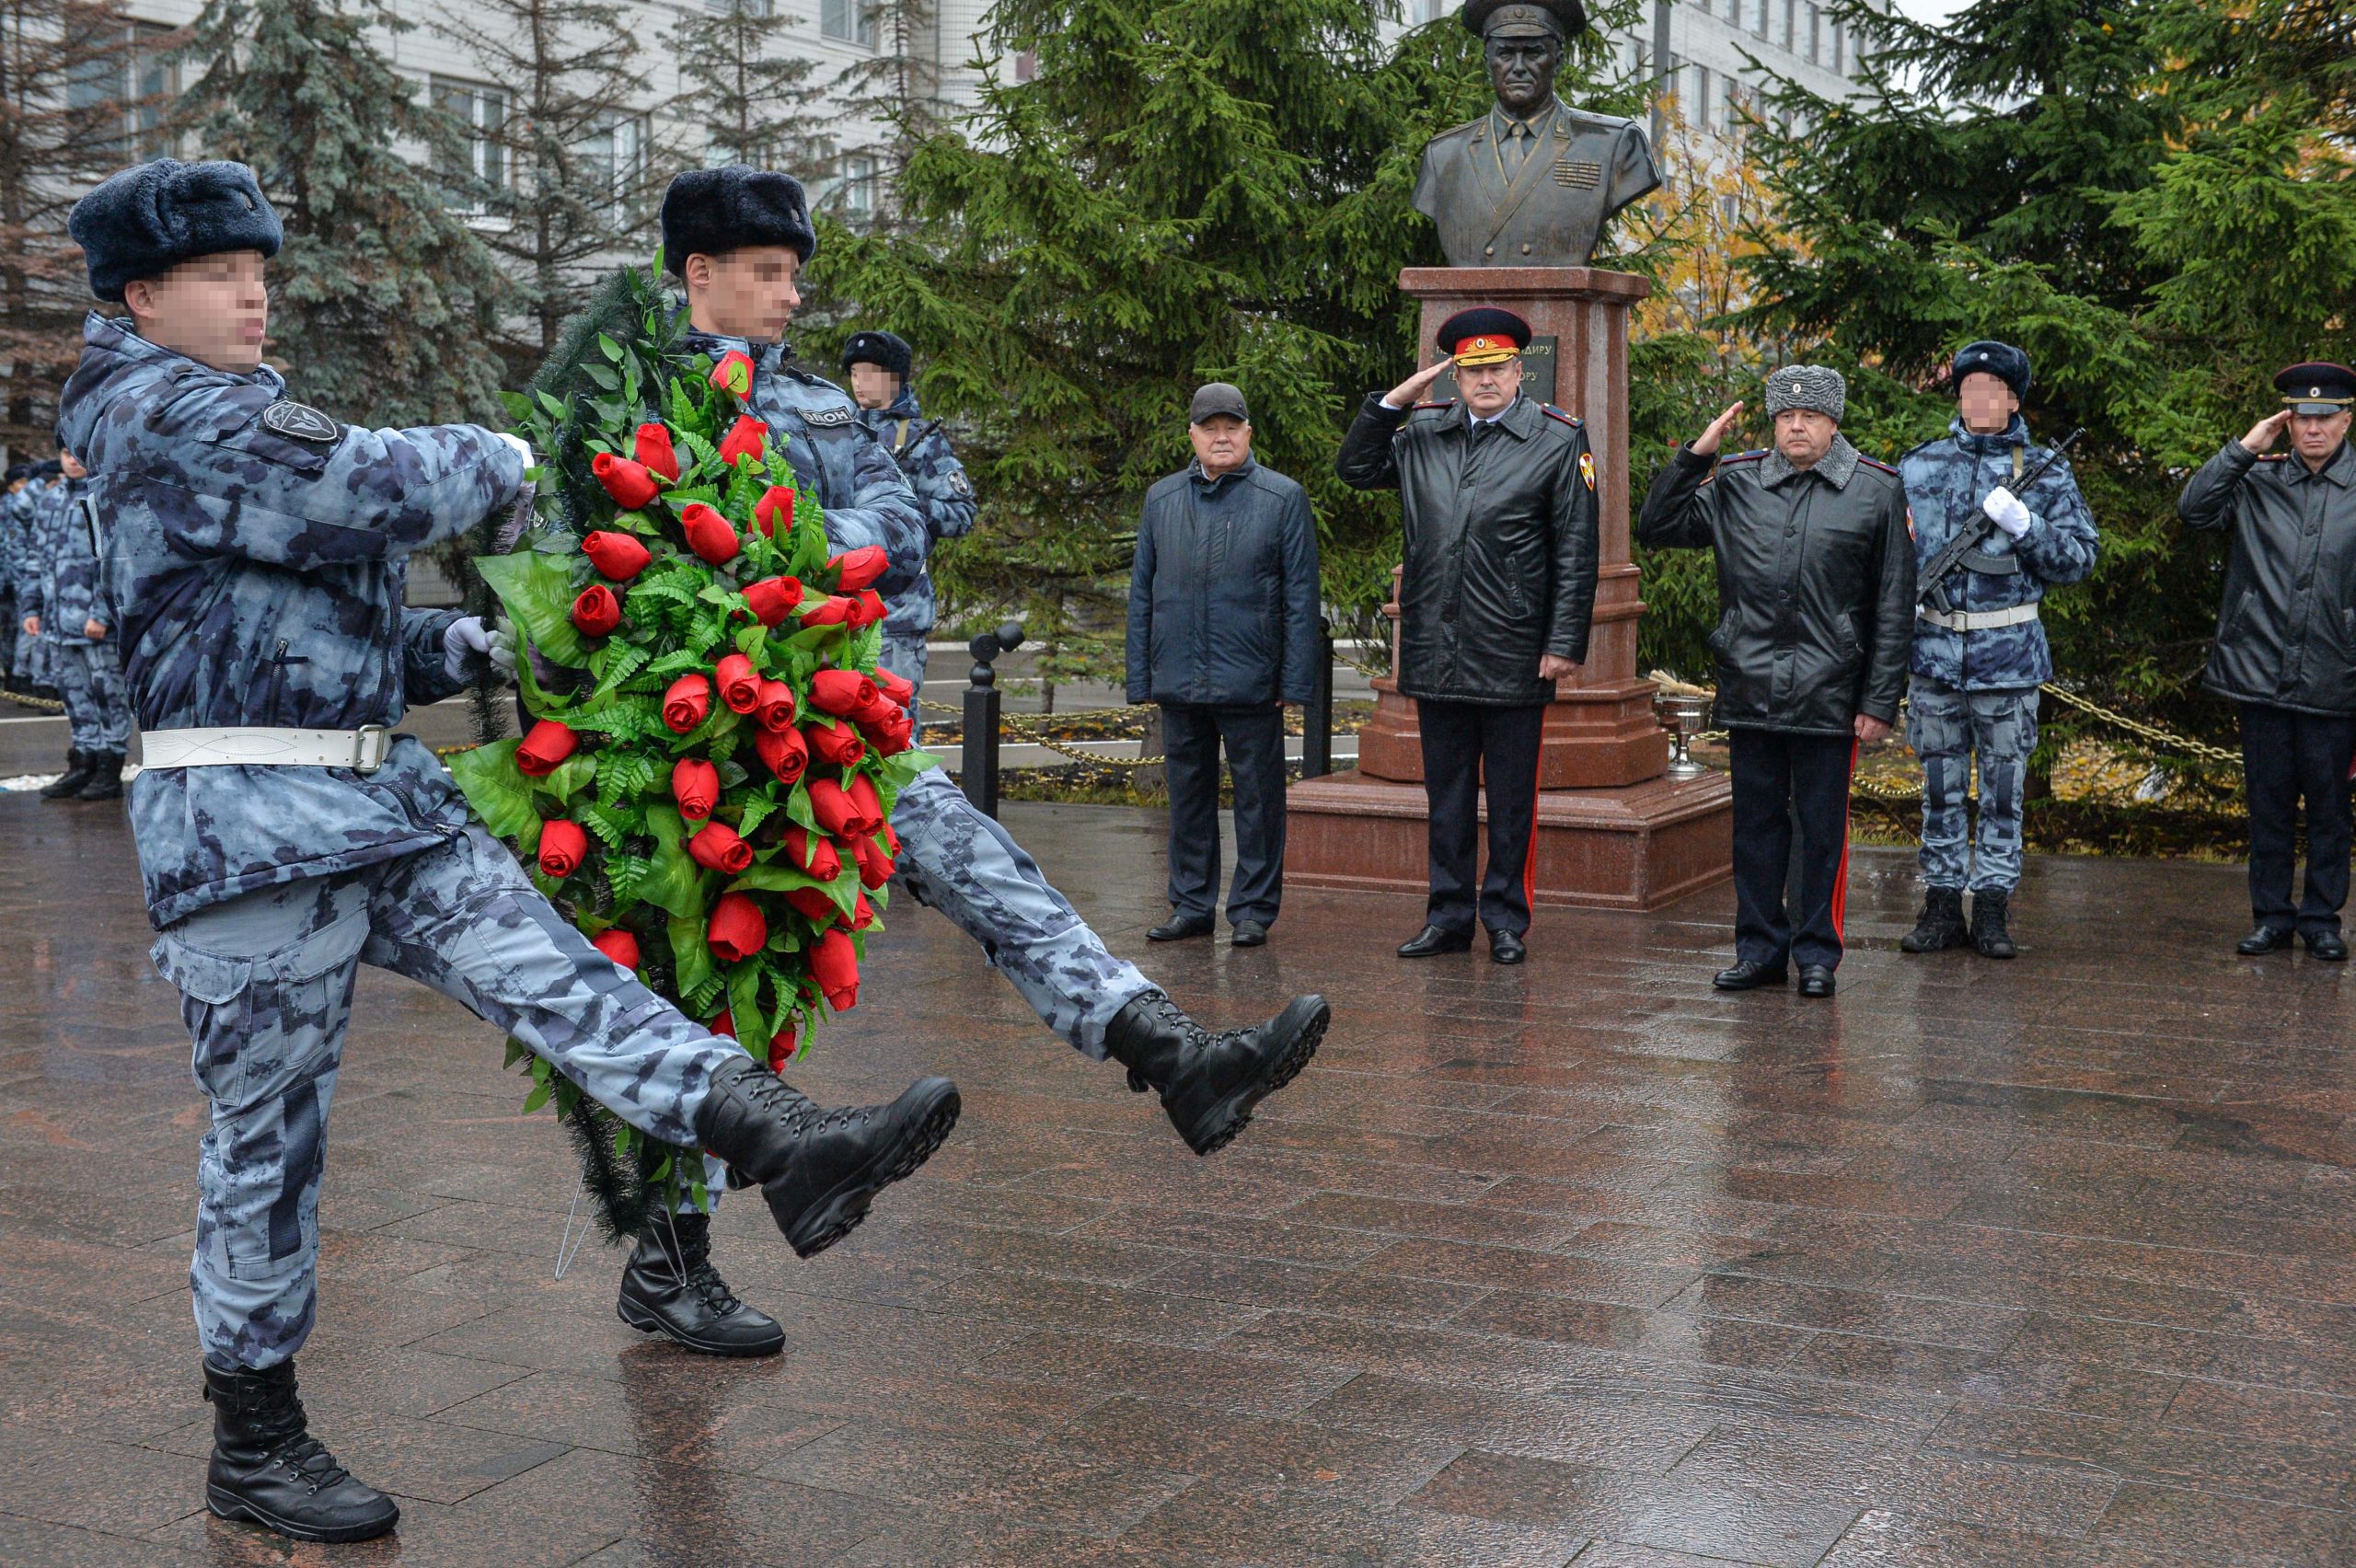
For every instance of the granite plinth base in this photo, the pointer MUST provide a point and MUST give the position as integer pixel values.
(1635, 848)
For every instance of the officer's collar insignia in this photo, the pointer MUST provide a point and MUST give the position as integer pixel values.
(828, 417)
(299, 421)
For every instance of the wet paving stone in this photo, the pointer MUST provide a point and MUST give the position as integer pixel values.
(2049, 1265)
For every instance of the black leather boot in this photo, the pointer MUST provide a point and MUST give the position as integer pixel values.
(105, 782)
(1988, 933)
(819, 1169)
(1940, 926)
(1209, 1083)
(79, 764)
(269, 1468)
(670, 1288)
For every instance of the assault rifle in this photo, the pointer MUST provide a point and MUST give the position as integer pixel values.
(1967, 549)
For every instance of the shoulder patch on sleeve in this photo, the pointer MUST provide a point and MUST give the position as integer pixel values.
(959, 485)
(1571, 420)
(300, 421)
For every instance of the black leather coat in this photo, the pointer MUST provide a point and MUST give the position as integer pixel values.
(2286, 634)
(1500, 543)
(1816, 583)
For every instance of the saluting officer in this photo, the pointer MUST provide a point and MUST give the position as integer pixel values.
(1815, 596)
(2286, 644)
(1499, 499)
(1977, 668)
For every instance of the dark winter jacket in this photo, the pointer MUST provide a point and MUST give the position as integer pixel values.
(2286, 634)
(1816, 583)
(1224, 608)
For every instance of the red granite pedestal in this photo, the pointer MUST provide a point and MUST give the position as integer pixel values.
(1612, 832)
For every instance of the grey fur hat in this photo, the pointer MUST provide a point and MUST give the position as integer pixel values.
(149, 219)
(1807, 387)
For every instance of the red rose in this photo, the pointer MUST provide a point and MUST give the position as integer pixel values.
(875, 866)
(814, 902)
(815, 856)
(871, 805)
(776, 706)
(654, 449)
(833, 610)
(893, 686)
(780, 1049)
(891, 840)
(710, 535)
(840, 746)
(549, 743)
(685, 705)
(873, 711)
(737, 931)
(618, 945)
(725, 1024)
(716, 847)
(734, 370)
(740, 684)
(617, 555)
(868, 609)
(840, 692)
(839, 814)
(786, 754)
(773, 598)
(562, 846)
(748, 437)
(859, 566)
(861, 915)
(696, 786)
(774, 511)
(893, 733)
(834, 963)
(629, 484)
(597, 611)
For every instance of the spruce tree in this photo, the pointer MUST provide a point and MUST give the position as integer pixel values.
(384, 304)
(754, 102)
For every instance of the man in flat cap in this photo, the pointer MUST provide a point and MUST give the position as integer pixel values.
(1226, 627)
(1977, 666)
(253, 550)
(2285, 653)
(1532, 182)
(877, 365)
(1816, 599)
(1497, 494)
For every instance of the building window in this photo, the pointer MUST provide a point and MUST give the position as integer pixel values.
(1429, 11)
(852, 21)
(1815, 34)
(1790, 23)
(1759, 17)
(122, 69)
(1026, 65)
(853, 192)
(1841, 61)
(615, 157)
(473, 158)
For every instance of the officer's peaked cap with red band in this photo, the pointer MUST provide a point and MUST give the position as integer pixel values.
(1483, 335)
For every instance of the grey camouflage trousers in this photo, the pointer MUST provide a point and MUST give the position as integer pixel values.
(1948, 728)
(266, 982)
(98, 702)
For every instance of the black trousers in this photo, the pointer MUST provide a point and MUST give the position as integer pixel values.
(2286, 759)
(1255, 756)
(1462, 740)
(1779, 781)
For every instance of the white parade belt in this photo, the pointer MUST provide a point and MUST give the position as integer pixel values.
(1977, 620)
(363, 749)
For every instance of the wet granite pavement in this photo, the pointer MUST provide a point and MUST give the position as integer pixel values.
(2044, 1263)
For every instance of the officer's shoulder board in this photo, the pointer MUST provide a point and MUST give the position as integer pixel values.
(300, 421)
(1874, 463)
(1552, 412)
(2273, 457)
(1436, 403)
(1743, 457)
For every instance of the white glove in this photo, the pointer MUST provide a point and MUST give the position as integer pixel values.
(522, 448)
(470, 635)
(2007, 509)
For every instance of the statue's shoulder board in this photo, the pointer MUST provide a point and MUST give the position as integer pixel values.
(300, 421)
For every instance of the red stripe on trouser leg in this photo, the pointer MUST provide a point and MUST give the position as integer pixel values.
(1841, 877)
(1530, 856)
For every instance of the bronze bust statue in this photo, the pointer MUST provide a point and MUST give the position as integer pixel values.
(1532, 182)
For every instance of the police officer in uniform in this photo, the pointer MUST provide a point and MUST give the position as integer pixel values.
(254, 551)
(1977, 668)
(1815, 598)
(1497, 494)
(2285, 653)
(877, 364)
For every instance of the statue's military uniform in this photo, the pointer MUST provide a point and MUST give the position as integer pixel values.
(1976, 670)
(1495, 186)
(86, 674)
(945, 495)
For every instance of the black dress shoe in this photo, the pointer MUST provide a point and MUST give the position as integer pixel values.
(1749, 974)
(1815, 980)
(2327, 945)
(670, 1288)
(1178, 927)
(1505, 947)
(1431, 940)
(2266, 939)
(1249, 933)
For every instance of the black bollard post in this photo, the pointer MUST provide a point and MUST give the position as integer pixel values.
(1317, 719)
(982, 716)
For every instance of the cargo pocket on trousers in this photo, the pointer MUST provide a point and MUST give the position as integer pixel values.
(261, 1024)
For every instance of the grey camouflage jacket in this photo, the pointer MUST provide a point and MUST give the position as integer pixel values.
(37, 557)
(255, 572)
(944, 494)
(19, 568)
(72, 595)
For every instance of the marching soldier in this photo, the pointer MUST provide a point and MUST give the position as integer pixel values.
(1815, 598)
(877, 365)
(2285, 652)
(1977, 667)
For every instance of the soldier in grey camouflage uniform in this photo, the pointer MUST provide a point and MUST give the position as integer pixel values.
(738, 237)
(79, 626)
(27, 515)
(877, 365)
(19, 481)
(1976, 670)
(254, 552)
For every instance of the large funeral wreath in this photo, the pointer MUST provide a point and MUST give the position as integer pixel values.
(707, 781)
